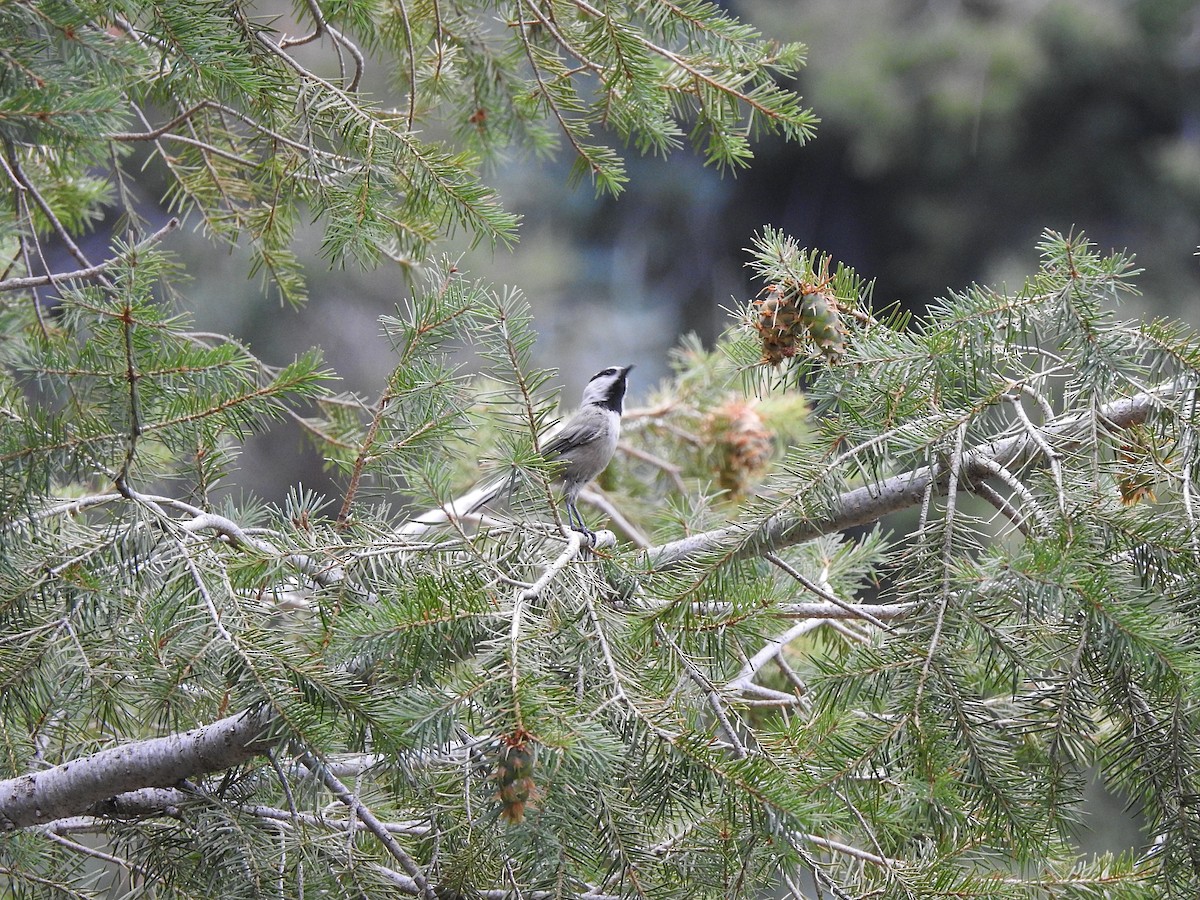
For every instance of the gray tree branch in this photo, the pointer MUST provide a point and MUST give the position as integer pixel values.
(75, 787)
(871, 502)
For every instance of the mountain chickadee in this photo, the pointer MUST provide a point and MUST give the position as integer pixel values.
(585, 445)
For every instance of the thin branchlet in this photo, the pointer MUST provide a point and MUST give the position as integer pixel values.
(674, 719)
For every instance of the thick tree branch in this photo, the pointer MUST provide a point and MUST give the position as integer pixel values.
(871, 502)
(75, 787)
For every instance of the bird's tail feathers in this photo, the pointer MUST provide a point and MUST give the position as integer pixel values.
(460, 507)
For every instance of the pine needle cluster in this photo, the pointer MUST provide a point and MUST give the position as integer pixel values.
(751, 685)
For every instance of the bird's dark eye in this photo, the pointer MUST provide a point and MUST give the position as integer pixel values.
(605, 372)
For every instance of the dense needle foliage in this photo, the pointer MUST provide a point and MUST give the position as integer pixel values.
(754, 687)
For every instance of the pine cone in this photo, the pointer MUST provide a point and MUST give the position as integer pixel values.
(791, 312)
(514, 774)
(743, 444)
(776, 322)
(820, 317)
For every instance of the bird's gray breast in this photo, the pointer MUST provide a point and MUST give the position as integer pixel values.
(586, 444)
(588, 460)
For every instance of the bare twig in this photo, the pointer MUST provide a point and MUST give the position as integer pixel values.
(63, 508)
(858, 611)
(321, 572)
(52, 835)
(410, 118)
(1017, 488)
(372, 822)
(571, 552)
(658, 462)
(708, 689)
(32, 281)
(998, 500)
(848, 850)
(744, 681)
(1052, 456)
(340, 42)
(28, 188)
(606, 506)
(122, 137)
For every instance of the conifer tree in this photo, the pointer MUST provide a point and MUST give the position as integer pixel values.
(744, 684)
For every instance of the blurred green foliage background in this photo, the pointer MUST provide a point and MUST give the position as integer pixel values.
(952, 134)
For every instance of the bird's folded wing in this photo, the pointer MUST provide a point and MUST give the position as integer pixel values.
(572, 435)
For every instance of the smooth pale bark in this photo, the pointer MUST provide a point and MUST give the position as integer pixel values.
(75, 787)
(871, 502)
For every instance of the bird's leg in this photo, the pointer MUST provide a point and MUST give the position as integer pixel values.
(575, 520)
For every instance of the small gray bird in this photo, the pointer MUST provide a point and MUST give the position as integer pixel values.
(584, 445)
(588, 441)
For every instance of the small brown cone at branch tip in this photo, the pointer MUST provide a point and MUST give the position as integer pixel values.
(819, 314)
(776, 322)
(514, 775)
(794, 311)
(743, 443)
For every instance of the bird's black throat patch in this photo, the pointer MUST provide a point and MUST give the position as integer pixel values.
(615, 398)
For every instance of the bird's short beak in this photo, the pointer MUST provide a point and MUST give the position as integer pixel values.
(627, 370)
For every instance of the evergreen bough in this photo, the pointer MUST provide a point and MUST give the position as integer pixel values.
(757, 686)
